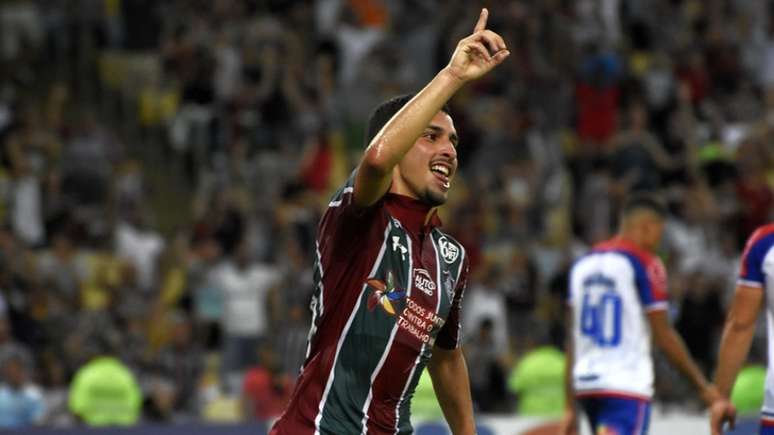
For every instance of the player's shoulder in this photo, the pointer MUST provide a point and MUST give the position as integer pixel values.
(638, 258)
(624, 247)
(763, 235)
(347, 188)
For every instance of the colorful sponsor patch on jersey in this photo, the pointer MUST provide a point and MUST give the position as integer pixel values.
(384, 294)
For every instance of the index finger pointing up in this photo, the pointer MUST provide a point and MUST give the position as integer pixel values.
(481, 24)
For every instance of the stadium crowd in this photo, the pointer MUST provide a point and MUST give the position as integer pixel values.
(163, 166)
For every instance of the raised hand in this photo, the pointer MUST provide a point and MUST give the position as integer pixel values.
(478, 53)
(721, 411)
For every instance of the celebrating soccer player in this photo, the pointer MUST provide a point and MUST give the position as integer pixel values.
(389, 282)
(617, 301)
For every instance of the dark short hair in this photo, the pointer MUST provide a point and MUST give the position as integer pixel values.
(644, 201)
(387, 110)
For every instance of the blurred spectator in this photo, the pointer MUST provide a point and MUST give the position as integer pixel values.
(538, 381)
(21, 401)
(87, 162)
(63, 269)
(104, 392)
(22, 28)
(8, 345)
(266, 389)
(176, 374)
(486, 362)
(520, 288)
(701, 320)
(597, 98)
(639, 159)
(248, 290)
(54, 383)
(141, 246)
(486, 303)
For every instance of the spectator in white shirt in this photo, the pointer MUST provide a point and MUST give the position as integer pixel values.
(247, 288)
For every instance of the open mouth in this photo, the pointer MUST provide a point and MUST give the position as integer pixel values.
(442, 172)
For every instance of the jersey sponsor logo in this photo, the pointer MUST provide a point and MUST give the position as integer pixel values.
(384, 294)
(398, 246)
(423, 282)
(419, 321)
(449, 251)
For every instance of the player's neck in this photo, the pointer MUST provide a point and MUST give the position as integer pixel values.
(402, 189)
(634, 238)
(429, 215)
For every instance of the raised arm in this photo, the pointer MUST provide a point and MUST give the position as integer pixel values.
(474, 56)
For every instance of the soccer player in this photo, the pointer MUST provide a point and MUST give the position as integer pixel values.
(389, 282)
(754, 286)
(618, 300)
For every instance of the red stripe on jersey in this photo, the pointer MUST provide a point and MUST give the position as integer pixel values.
(388, 386)
(767, 421)
(610, 394)
(757, 235)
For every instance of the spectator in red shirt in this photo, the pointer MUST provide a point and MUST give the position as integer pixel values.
(266, 390)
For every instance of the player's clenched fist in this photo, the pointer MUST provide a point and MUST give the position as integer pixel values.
(478, 53)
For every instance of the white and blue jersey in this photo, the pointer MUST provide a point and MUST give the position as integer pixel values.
(611, 289)
(757, 270)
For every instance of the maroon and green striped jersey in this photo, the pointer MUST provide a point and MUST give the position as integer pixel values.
(388, 288)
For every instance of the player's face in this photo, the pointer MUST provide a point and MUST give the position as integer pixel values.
(427, 170)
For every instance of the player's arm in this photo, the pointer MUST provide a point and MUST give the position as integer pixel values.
(734, 345)
(737, 336)
(449, 372)
(669, 341)
(569, 424)
(474, 56)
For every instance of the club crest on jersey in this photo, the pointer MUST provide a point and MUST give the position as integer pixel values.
(423, 282)
(384, 294)
(449, 251)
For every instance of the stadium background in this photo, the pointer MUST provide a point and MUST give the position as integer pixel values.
(163, 166)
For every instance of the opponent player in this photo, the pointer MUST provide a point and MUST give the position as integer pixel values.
(389, 282)
(755, 284)
(617, 301)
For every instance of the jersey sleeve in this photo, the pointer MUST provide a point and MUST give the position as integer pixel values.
(751, 272)
(343, 218)
(449, 335)
(651, 277)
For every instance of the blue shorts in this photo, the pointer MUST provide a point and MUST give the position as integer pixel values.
(767, 426)
(617, 416)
